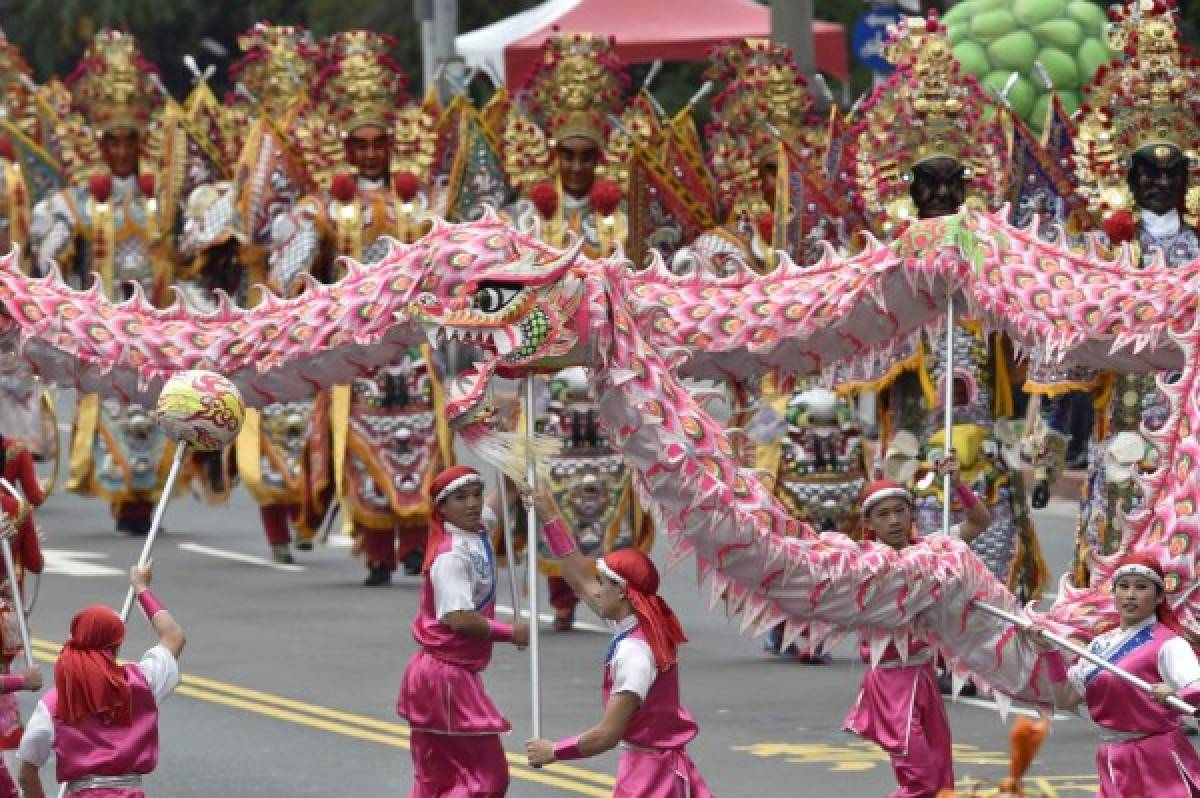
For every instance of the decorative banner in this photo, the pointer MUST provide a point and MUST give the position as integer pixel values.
(663, 214)
(1040, 182)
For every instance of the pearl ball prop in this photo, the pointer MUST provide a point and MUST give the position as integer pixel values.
(200, 408)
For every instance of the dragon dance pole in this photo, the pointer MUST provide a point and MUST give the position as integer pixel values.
(156, 522)
(1022, 622)
(948, 409)
(531, 532)
(506, 519)
(15, 584)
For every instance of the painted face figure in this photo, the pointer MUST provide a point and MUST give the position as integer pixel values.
(368, 149)
(768, 172)
(119, 148)
(939, 187)
(577, 160)
(1158, 178)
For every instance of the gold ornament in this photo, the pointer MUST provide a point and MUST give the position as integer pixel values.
(113, 85)
(575, 88)
(278, 66)
(1150, 99)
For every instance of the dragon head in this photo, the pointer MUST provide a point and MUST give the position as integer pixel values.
(521, 308)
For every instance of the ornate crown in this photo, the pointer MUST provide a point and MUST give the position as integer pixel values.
(113, 85)
(16, 86)
(928, 108)
(1150, 98)
(277, 66)
(576, 86)
(361, 84)
(765, 100)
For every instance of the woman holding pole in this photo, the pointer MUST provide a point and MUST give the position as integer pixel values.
(1143, 750)
(101, 718)
(456, 728)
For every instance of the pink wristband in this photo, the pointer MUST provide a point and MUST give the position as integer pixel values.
(1056, 667)
(966, 496)
(567, 748)
(150, 604)
(500, 632)
(11, 683)
(559, 538)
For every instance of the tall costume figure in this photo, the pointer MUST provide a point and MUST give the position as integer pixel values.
(924, 148)
(577, 86)
(389, 434)
(456, 749)
(640, 691)
(111, 226)
(1134, 159)
(101, 719)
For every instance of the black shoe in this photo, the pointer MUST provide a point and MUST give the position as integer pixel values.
(303, 545)
(413, 563)
(379, 576)
(1079, 460)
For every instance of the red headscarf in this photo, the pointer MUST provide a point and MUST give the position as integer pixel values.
(88, 679)
(445, 483)
(657, 620)
(878, 491)
(1142, 561)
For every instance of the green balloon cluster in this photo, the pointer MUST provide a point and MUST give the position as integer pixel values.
(994, 38)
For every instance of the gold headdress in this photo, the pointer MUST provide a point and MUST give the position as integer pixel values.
(361, 84)
(576, 86)
(16, 87)
(928, 108)
(765, 101)
(1151, 98)
(113, 85)
(278, 65)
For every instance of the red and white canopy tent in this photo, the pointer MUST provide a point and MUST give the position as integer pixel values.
(645, 31)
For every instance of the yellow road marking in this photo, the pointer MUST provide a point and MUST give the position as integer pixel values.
(360, 727)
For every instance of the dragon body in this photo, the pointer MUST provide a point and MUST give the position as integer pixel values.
(532, 307)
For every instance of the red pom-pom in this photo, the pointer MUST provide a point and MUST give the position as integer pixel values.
(406, 185)
(342, 187)
(766, 226)
(146, 184)
(101, 187)
(544, 197)
(1120, 227)
(7, 151)
(605, 197)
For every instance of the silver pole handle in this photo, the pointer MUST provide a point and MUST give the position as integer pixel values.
(14, 584)
(506, 519)
(948, 409)
(156, 522)
(535, 686)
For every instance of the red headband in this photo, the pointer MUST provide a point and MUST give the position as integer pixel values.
(637, 574)
(87, 677)
(449, 480)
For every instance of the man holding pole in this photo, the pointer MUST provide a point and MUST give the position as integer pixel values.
(101, 719)
(456, 749)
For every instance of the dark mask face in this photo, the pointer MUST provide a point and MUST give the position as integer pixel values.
(368, 149)
(577, 161)
(119, 149)
(1158, 178)
(939, 187)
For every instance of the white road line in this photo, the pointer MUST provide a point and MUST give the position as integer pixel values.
(67, 562)
(545, 617)
(237, 556)
(983, 703)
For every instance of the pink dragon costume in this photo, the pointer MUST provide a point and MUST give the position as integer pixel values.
(943, 125)
(388, 433)
(1140, 121)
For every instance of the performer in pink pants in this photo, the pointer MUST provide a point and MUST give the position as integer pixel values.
(899, 706)
(640, 692)
(11, 683)
(101, 718)
(456, 750)
(1142, 750)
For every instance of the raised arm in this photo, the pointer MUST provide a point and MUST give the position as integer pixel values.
(577, 569)
(978, 517)
(170, 634)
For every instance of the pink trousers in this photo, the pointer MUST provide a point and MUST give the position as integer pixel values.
(458, 766)
(671, 773)
(1160, 765)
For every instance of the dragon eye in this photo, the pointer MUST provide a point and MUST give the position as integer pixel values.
(491, 298)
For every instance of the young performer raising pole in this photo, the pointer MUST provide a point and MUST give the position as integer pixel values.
(456, 750)
(899, 706)
(1143, 750)
(640, 691)
(101, 718)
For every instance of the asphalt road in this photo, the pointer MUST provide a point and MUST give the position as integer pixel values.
(292, 673)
